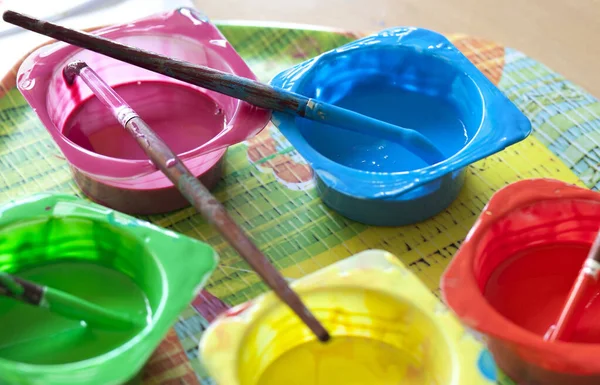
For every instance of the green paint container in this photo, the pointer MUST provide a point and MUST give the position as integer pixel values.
(105, 257)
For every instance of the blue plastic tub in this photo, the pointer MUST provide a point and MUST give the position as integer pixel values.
(414, 78)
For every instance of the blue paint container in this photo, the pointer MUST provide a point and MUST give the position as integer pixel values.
(413, 78)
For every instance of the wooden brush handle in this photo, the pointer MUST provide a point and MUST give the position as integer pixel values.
(214, 212)
(251, 91)
(195, 192)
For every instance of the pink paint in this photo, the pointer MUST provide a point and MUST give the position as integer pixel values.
(512, 274)
(92, 126)
(200, 124)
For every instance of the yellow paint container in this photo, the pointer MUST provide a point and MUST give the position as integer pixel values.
(387, 329)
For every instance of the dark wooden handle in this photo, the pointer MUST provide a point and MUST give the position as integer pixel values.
(213, 211)
(251, 91)
(20, 289)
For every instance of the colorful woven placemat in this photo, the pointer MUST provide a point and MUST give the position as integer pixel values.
(268, 188)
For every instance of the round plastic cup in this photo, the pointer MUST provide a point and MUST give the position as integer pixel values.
(196, 123)
(512, 275)
(369, 299)
(169, 268)
(414, 78)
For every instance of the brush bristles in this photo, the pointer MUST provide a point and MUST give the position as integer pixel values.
(71, 71)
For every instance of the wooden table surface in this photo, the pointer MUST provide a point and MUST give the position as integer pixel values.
(563, 34)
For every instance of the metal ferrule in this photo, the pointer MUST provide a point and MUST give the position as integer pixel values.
(125, 114)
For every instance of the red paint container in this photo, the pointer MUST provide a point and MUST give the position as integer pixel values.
(513, 273)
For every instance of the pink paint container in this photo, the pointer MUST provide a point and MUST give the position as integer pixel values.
(513, 273)
(196, 123)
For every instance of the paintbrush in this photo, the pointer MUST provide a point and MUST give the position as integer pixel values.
(578, 297)
(253, 92)
(194, 191)
(65, 304)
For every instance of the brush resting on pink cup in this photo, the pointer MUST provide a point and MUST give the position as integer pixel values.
(198, 124)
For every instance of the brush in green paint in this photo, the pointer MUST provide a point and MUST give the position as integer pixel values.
(65, 304)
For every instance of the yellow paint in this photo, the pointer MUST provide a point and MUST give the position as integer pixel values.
(345, 360)
(365, 317)
(387, 328)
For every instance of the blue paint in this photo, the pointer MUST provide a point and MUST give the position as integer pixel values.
(410, 141)
(487, 366)
(380, 99)
(409, 77)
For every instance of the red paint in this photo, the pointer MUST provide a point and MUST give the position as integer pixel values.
(511, 276)
(580, 303)
(239, 309)
(530, 289)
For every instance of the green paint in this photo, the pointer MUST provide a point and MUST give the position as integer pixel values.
(104, 257)
(69, 305)
(73, 306)
(37, 336)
